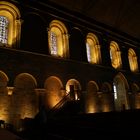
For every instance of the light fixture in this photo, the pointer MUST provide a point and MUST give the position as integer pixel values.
(10, 90)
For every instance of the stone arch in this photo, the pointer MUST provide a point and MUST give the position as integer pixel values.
(54, 91)
(135, 96)
(135, 88)
(4, 98)
(106, 87)
(121, 97)
(74, 88)
(25, 103)
(25, 81)
(3, 79)
(106, 97)
(91, 98)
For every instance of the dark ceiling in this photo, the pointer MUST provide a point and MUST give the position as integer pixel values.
(123, 15)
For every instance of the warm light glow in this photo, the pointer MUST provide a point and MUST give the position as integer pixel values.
(115, 55)
(91, 109)
(91, 98)
(58, 39)
(137, 101)
(54, 93)
(76, 88)
(93, 49)
(132, 60)
(137, 105)
(4, 117)
(52, 98)
(25, 96)
(4, 98)
(73, 82)
(105, 108)
(10, 90)
(12, 14)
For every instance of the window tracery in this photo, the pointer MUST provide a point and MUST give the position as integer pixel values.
(3, 30)
(53, 41)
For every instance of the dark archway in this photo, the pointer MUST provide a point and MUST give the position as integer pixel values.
(121, 99)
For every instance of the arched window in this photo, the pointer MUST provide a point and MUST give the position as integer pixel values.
(115, 55)
(132, 60)
(93, 49)
(121, 96)
(10, 25)
(58, 39)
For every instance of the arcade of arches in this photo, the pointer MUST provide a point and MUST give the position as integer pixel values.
(24, 99)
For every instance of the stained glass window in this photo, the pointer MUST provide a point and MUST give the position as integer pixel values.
(53, 38)
(3, 30)
(88, 52)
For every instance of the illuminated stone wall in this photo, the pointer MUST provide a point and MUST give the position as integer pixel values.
(106, 100)
(135, 101)
(15, 107)
(5, 107)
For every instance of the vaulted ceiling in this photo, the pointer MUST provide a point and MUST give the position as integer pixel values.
(123, 15)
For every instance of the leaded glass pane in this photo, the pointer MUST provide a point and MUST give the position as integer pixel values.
(88, 52)
(115, 90)
(3, 30)
(53, 41)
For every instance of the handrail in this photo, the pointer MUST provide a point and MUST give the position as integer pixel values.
(59, 105)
